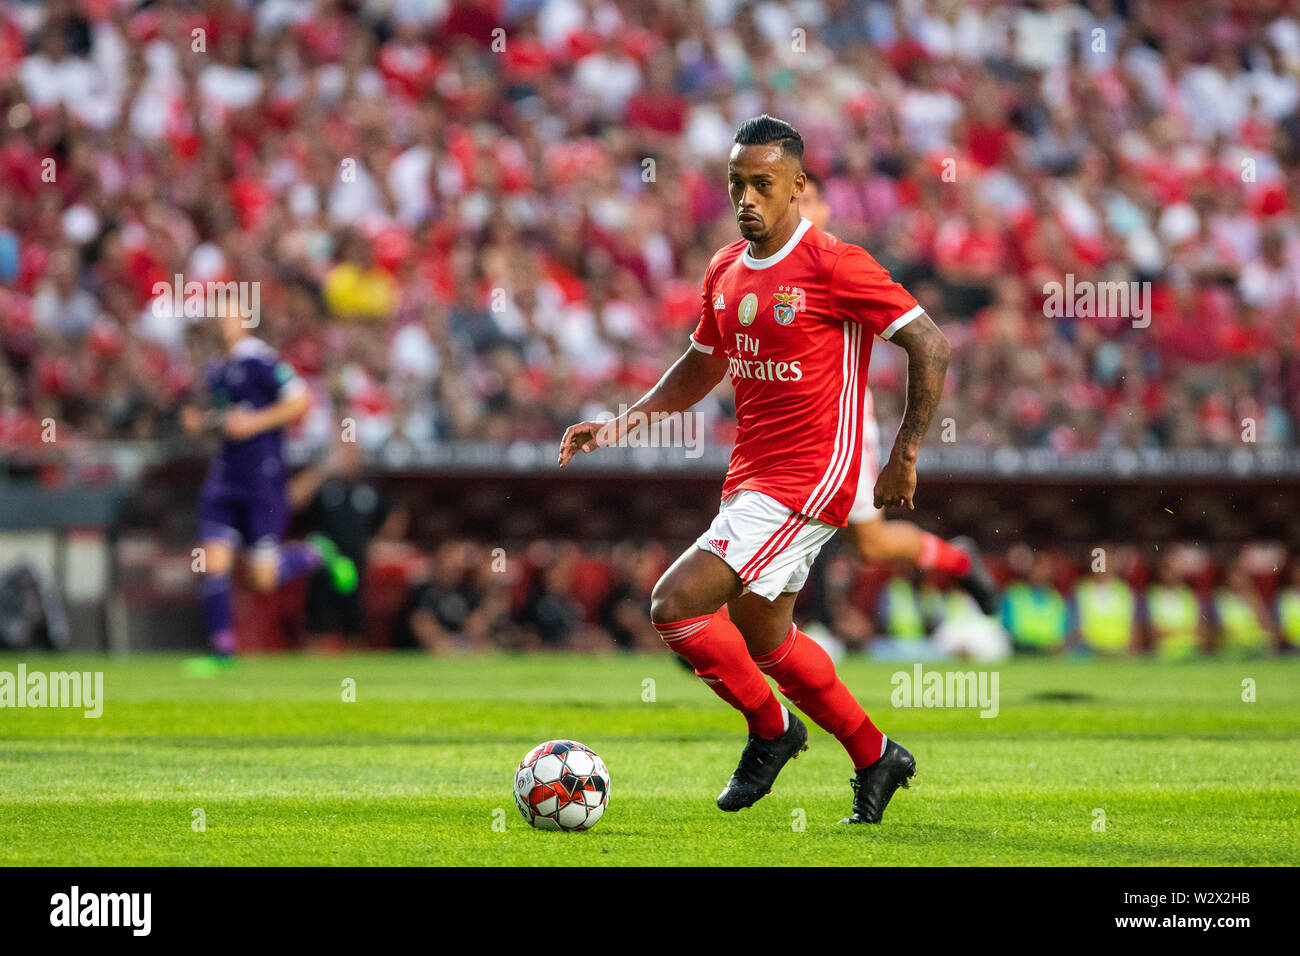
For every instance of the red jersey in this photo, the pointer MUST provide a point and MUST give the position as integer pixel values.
(797, 330)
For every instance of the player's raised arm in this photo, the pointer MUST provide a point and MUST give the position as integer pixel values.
(691, 378)
(927, 364)
(195, 421)
(239, 424)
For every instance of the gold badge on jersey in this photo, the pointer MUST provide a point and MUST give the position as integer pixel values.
(748, 309)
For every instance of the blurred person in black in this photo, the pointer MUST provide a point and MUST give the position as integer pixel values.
(551, 616)
(635, 569)
(461, 605)
(338, 504)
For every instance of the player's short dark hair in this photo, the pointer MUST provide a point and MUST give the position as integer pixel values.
(765, 129)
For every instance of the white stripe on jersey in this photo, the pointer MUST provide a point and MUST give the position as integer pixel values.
(846, 460)
(839, 427)
(845, 439)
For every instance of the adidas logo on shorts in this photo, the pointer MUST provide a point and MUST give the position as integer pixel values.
(719, 545)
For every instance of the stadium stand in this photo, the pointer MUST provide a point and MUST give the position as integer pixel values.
(480, 220)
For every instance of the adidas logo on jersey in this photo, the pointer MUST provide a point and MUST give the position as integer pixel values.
(719, 545)
(719, 302)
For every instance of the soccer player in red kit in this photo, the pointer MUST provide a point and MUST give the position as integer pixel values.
(875, 539)
(790, 313)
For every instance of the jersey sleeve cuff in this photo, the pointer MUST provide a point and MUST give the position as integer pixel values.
(706, 349)
(901, 321)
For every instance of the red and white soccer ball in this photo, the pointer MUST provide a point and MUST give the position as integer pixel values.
(562, 785)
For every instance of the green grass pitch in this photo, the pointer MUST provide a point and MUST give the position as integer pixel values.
(418, 769)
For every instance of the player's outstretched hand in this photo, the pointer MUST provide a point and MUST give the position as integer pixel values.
(192, 420)
(584, 437)
(896, 484)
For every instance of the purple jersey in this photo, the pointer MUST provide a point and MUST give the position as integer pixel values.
(244, 490)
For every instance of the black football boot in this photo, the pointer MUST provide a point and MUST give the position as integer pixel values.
(874, 785)
(759, 764)
(977, 582)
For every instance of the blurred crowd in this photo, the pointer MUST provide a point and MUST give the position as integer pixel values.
(553, 595)
(484, 219)
(1177, 605)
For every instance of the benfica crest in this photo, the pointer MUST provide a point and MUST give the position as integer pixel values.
(785, 306)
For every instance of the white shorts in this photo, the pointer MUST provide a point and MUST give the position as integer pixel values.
(771, 547)
(864, 508)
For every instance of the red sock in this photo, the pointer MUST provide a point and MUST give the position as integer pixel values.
(865, 745)
(938, 555)
(806, 675)
(718, 653)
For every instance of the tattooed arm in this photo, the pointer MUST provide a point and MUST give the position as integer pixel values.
(927, 363)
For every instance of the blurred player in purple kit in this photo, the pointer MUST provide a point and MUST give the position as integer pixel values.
(252, 396)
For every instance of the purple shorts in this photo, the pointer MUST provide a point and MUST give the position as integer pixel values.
(245, 517)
